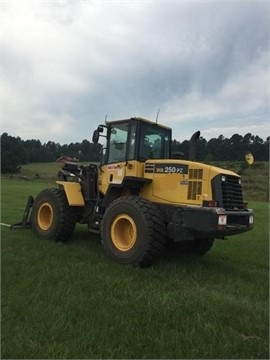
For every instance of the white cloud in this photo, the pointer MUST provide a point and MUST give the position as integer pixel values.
(242, 95)
(69, 63)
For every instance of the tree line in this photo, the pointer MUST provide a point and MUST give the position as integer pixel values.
(16, 152)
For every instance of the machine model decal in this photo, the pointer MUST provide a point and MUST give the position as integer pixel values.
(171, 168)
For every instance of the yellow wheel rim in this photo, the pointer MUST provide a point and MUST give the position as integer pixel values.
(45, 216)
(123, 232)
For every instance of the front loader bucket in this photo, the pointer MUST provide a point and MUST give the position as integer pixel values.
(25, 223)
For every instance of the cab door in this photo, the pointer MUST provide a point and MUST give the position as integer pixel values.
(114, 170)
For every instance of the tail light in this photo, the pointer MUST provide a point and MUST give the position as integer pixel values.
(210, 203)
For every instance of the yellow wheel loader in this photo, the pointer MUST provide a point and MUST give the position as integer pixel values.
(141, 197)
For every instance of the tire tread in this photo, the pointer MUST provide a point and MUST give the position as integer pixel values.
(155, 225)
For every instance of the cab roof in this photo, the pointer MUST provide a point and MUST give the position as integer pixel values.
(138, 119)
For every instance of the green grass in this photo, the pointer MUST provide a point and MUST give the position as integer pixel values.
(70, 301)
(256, 181)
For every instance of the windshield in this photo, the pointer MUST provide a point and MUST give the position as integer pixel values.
(154, 142)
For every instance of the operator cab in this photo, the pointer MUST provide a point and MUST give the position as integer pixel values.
(134, 139)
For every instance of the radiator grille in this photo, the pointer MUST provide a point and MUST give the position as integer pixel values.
(195, 173)
(232, 193)
(194, 189)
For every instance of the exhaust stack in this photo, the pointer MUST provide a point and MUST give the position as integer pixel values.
(192, 145)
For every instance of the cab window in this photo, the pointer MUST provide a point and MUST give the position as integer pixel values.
(154, 142)
(117, 144)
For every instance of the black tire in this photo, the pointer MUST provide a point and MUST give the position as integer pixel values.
(52, 218)
(198, 246)
(133, 231)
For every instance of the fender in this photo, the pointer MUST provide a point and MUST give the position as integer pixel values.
(73, 192)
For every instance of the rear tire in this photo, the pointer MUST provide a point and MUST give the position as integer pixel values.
(52, 218)
(133, 231)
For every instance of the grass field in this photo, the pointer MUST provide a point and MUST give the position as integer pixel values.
(70, 301)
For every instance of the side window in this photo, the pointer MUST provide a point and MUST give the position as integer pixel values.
(167, 143)
(147, 146)
(154, 142)
(117, 145)
(132, 142)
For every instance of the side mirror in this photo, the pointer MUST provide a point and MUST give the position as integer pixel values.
(95, 136)
(96, 133)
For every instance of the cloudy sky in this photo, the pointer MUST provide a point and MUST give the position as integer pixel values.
(68, 64)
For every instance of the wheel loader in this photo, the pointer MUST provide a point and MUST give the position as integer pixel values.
(141, 197)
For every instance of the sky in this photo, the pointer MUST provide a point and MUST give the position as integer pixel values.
(66, 65)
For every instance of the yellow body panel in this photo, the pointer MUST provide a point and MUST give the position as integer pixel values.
(115, 173)
(73, 192)
(111, 174)
(171, 184)
(180, 182)
(173, 181)
(135, 168)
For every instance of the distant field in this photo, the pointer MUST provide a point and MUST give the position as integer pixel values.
(70, 301)
(42, 170)
(255, 179)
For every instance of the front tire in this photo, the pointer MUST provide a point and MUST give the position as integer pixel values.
(133, 231)
(52, 217)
